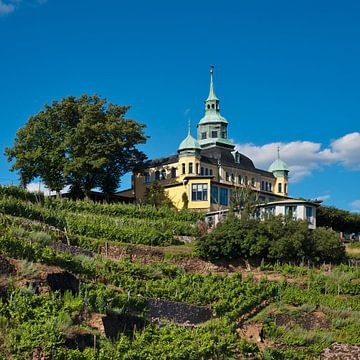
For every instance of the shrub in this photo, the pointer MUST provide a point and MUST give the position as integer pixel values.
(275, 239)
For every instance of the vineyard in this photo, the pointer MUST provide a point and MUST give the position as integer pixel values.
(65, 293)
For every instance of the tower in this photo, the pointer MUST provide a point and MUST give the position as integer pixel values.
(281, 172)
(213, 128)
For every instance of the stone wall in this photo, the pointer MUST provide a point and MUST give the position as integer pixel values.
(178, 312)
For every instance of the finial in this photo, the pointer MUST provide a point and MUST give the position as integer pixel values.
(278, 151)
(212, 95)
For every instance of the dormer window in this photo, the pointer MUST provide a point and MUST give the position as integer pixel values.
(237, 157)
(203, 135)
(214, 134)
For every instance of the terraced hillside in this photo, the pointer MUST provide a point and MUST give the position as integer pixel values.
(80, 280)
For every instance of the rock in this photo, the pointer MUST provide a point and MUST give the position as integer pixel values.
(5, 267)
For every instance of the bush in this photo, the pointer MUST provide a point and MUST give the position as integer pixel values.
(327, 245)
(274, 239)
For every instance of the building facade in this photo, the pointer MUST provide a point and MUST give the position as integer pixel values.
(207, 170)
(297, 209)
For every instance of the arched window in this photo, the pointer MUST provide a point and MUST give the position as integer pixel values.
(146, 178)
(201, 171)
(206, 171)
(190, 168)
(183, 170)
(212, 106)
(163, 174)
(210, 172)
(208, 106)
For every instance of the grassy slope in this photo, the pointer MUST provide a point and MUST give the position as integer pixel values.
(123, 284)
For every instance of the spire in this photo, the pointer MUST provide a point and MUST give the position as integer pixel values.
(212, 95)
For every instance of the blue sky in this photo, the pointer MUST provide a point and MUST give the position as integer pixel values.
(286, 72)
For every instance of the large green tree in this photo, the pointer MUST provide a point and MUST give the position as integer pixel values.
(84, 142)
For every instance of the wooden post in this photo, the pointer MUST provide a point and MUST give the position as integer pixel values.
(94, 346)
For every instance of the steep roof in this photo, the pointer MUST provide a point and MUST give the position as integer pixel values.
(278, 165)
(189, 143)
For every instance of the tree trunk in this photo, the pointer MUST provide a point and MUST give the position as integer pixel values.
(58, 195)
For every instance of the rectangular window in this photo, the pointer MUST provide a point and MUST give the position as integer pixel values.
(202, 171)
(224, 196)
(173, 173)
(203, 136)
(285, 188)
(190, 167)
(214, 194)
(270, 210)
(239, 179)
(227, 176)
(270, 187)
(223, 134)
(291, 211)
(210, 172)
(280, 187)
(214, 134)
(183, 168)
(309, 214)
(146, 178)
(232, 178)
(199, 192)
(263, 185)
(206, 171)
(197, 169)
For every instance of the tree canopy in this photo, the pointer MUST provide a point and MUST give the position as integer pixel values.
(84, 142)
(337, 219)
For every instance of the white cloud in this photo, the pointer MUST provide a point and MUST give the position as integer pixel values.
(9, 6)
(323, 197)
(304, 157)
(6, 8)
(347, 150)
(39, 186)
(355, 204)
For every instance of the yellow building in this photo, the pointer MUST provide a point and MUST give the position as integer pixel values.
(206, 170)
